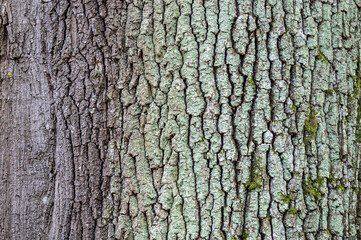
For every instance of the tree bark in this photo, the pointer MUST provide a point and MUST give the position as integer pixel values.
(180, 119)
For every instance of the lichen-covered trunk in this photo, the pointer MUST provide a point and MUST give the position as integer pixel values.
(180, 119)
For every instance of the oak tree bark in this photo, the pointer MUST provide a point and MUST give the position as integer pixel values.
(180, 119)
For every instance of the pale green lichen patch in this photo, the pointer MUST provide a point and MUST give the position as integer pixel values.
(245, 104)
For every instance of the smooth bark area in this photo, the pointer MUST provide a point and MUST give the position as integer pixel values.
(180, 119)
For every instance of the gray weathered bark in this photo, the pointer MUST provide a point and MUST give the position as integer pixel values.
(180, 119)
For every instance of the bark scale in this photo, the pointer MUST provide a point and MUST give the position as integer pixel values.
(180, 119)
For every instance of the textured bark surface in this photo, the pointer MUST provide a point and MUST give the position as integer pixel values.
(180, 119)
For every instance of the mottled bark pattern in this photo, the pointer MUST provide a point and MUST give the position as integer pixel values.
(180, 119)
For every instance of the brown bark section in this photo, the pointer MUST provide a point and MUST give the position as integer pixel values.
(54, 128)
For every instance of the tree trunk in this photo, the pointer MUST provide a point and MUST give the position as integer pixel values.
(180, 119)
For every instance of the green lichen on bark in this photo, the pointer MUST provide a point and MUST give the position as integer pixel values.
(245, 236)
(356, 93)
(313, 188)
(285, 199)
(256, 180)
(321, 55)
(358, 122)
(250, 82)
(330, 92)
(311, 124)
(340, 188)
(292, 211)
(332, 179)
(357, 78)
